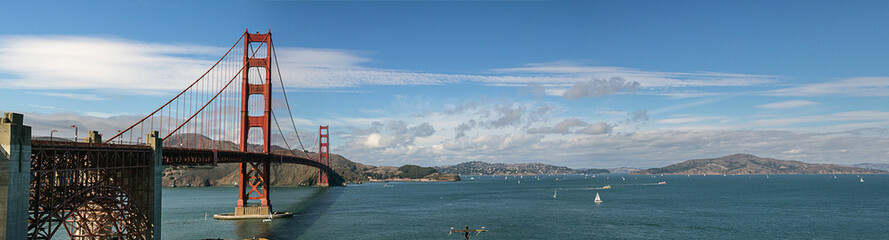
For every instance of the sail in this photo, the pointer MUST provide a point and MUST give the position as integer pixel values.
(598, 200)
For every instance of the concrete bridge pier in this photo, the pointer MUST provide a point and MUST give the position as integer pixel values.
(157, 169)
(15, 176)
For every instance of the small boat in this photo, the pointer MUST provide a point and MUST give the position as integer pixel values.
(623, 179)
(767, 176)
(520, 181)
(387, 185)
(471, 178)
(861, 179)
(607, 187)
(268, 219)
(506, 178)
(554, 193)
(598, 200)
(662, 183)
(834, 176)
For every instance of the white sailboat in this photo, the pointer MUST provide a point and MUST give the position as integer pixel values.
(598, 200)
(861, 179)
(554, 193)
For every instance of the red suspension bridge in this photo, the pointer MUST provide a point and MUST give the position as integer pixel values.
(111, 189)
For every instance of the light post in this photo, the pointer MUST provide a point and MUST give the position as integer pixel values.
(50, 134)
(75, 132)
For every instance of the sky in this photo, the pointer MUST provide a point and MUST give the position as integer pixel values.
(583, 84)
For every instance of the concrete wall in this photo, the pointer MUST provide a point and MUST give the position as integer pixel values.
(15, 176)
(157, 169)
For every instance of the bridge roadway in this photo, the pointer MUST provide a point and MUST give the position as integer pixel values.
(173, 156)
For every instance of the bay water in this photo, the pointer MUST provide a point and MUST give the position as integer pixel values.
(636, 207)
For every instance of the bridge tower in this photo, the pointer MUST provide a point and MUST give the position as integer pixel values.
(253, 180)
(323, 156)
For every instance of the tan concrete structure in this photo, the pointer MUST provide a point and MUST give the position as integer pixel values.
(15, 175)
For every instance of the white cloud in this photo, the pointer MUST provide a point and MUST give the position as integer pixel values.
(855, 87)
(72, 62)
(787, 104)
(599, 87)
(683, 120)
(572, 72)
(858, 116)
(596, 129)
(563, 127)
(94, 63)
(76, 96)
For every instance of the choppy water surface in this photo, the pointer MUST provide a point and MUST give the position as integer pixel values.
(730, 207)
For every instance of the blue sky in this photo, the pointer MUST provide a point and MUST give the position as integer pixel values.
(576, 83)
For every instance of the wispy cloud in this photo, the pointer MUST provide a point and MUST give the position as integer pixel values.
(570, 72)
(94, 63)
(786, 104)
(874, 117)
(76, 62)
(76, 96)
(854, 87)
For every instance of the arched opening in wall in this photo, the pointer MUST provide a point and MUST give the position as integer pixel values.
(255, 140)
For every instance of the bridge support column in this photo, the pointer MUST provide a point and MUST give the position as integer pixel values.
(157, 169)
(323, 156)
(15, 176)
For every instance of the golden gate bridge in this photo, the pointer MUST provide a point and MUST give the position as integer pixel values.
(111, 189)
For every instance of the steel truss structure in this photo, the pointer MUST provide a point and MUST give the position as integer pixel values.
(93, 191)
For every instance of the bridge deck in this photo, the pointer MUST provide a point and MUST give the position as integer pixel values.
(183, 156)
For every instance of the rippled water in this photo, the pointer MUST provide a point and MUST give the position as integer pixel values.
(709, 207)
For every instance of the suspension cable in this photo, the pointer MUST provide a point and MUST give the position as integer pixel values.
(180, 93)
(286, 101)
(216, 95)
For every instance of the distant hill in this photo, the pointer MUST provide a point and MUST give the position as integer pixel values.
(483, 168)
(875, 166)
(623, 170)
(750, 164)
(282, 174)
